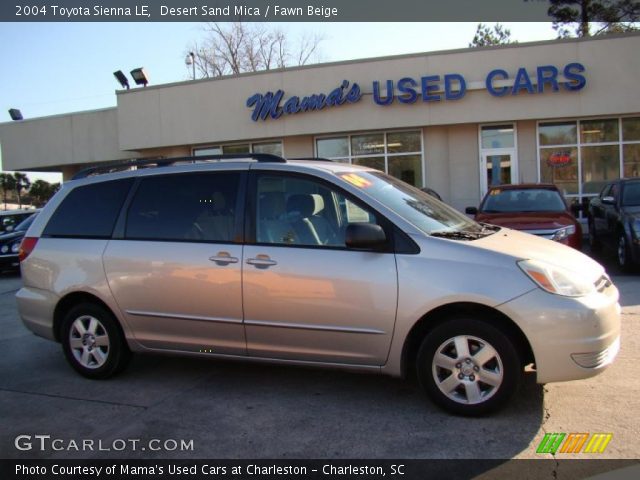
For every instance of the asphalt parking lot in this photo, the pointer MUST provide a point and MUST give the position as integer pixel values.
(237, 410)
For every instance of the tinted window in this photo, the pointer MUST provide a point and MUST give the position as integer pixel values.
(631, 194)
(89, 211)
(25, 224)
(189, 207)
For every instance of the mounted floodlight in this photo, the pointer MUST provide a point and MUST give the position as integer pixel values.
(15, 114)
(140, 76)
(122, 79)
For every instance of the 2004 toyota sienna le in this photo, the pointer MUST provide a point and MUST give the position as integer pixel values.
(309, 263)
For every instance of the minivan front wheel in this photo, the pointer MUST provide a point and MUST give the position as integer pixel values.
(92, 341)
(468, 366)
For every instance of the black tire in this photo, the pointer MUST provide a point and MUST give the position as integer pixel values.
(623, 254)
(102, 350)
(594, 243)
(467, 379)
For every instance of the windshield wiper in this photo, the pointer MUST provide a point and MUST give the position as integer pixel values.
(467, 234)
(458, 234)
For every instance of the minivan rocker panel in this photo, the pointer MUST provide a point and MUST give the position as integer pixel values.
(467, 306)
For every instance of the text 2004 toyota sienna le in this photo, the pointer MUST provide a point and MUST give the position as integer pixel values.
(310, 263)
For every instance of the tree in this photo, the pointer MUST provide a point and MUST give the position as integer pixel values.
(486, 36)
(240, 47)
(22, 183)
(8, 183)
(41, 191)
(577, 17)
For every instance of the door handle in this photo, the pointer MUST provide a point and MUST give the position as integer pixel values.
(261, 261)
(223, 258)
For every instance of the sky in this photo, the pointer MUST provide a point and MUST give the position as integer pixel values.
(55, 68)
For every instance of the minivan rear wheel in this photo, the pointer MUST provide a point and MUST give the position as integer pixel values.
(92, 341)
(468, 366)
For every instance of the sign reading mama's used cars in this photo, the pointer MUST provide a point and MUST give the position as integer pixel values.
(431, 88)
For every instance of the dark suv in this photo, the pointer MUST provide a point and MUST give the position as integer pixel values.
(614, 221)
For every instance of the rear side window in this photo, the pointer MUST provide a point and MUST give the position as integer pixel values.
(89, 211)
(187, 207)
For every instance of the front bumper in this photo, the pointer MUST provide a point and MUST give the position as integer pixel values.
(9, 261)
(571, 338)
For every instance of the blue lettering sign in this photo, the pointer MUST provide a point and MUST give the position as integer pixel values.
(269, 105)
(376, 93)
(572, 73)
(496, 91)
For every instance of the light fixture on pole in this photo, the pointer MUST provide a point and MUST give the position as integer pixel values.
(191, 60)
(140, 76)
(122, 79)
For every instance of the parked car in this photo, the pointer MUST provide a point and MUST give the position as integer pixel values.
(309, 263)
(614, 221)
(538, 209)
(10, 244)
(9, 219)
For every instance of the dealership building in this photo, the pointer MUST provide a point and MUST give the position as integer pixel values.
(562, 111)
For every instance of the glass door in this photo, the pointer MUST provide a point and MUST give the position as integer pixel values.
(496, 168)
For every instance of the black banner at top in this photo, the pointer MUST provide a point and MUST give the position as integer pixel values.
(272, 10)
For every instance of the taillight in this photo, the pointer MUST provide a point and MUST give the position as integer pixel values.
(26, 247)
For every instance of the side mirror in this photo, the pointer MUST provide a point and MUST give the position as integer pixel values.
(365, 236)
(471, 211)
(608, 200)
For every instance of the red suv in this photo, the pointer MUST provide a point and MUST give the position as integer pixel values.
(538, 209)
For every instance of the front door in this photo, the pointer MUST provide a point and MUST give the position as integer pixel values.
(497, 167)
(307, 296)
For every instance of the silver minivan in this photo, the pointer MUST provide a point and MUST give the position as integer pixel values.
(312, 263)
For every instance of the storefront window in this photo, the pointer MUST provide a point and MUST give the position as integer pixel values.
(397, 153)
(631, 129)
(560, 167)
(403, 142)
(333, 147)
(274, 148)
(558, 133)
(367, 144)
(371, 162)
(599, 131)
(407, 168)
(631, 155)
(599, 164)
(605, 149)
(497, 136)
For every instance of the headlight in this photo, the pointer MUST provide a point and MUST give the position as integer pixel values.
(4, 249)
(15, 247)
(555, 279)
(563, 233)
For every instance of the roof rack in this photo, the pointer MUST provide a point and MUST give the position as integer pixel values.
(166, 162)
(316, 159)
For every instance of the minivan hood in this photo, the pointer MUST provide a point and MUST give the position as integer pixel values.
(523, 246)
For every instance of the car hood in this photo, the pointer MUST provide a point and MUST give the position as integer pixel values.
(528, 220)
(523, 246)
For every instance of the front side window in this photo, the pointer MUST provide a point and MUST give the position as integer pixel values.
(187, 207)
(297, 211)
(631, 194)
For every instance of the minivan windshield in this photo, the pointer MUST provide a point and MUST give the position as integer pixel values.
(430, 215)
